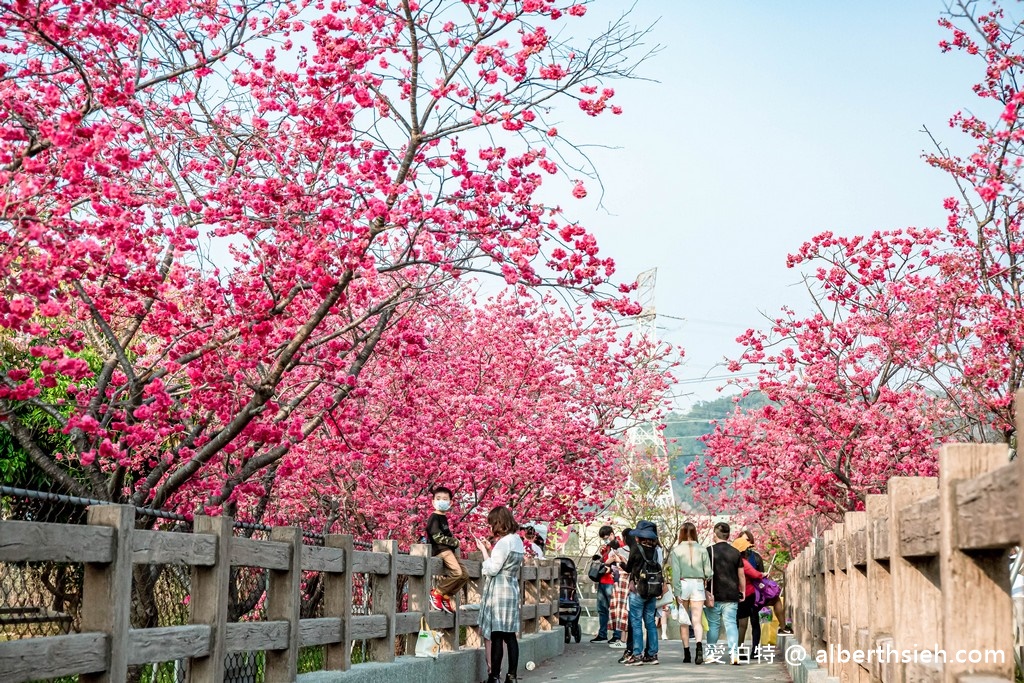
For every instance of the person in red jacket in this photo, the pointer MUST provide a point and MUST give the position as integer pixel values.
(605, 587)
(753, 567)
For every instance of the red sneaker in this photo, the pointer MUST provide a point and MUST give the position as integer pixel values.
(437, 601)
(448, 603)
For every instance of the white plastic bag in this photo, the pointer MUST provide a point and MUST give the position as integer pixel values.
(428, 643)
(680, 615)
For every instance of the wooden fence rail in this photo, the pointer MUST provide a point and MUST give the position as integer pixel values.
(107, 646)
(918, 582)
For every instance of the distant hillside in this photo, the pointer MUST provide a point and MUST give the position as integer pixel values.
(683, 430)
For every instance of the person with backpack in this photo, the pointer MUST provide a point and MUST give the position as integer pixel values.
(645, 572)
(755, 599)
(753, 568)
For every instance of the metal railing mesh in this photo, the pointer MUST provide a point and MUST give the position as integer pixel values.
(45, 598)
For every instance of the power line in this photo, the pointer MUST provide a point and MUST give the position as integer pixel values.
(714, 378)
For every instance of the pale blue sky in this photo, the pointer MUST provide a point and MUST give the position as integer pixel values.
(771, 122)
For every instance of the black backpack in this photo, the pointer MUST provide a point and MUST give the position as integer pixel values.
(595, 571)
(649, 579)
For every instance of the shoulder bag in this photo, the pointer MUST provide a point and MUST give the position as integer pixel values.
(709, 590)
(428, 642)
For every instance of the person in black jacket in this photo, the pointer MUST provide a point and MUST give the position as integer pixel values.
(728, 584)
(642, 608)
(444, 545)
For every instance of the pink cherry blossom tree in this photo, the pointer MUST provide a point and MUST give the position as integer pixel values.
(917, 335)
(512, 402)
(214, 213)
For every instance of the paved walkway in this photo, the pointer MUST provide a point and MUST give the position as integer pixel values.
(598, 664)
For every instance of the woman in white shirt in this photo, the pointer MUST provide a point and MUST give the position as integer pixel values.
(499, 608)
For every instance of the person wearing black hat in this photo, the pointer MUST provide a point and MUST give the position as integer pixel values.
(644, 569)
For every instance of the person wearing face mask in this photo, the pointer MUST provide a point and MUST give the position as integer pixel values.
(605, 587)
(444, 545)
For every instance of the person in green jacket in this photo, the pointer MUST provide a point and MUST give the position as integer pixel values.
(691, 567)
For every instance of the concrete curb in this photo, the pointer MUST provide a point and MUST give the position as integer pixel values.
(805, 671)
(465, 665)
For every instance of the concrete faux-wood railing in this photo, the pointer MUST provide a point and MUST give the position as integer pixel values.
(920, 579)
(108, 646)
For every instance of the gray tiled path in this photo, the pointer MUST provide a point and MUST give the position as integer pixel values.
(597, 664)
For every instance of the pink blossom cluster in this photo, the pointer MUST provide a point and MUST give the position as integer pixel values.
(238, 241)
(918, 337)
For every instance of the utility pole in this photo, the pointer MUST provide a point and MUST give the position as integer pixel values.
(645, 437)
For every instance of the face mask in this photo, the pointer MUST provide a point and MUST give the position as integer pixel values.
(442, 505)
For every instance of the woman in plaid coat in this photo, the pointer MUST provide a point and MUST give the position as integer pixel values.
(499, 608)
(619, 608)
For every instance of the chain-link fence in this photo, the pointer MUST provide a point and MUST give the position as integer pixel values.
(45, 598)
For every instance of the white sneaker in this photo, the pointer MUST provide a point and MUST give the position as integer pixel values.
(618, 645)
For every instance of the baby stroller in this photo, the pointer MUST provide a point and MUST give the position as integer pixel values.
(568, 599)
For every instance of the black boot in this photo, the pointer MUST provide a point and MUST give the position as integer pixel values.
(511, 678)
(686, 655)
(698, 658)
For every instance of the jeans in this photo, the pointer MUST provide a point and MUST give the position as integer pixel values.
(723, 612)
(604, 604)
(641, 614)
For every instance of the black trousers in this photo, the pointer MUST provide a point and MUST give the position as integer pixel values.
(499, 639)
(746, 609)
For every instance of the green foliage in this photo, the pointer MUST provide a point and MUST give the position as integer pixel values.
(164, 672)
(16, 469)
(312, 658)
(645, 495)
(683, 432)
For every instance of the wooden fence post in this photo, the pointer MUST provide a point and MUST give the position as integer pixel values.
(539, 621)
(841, 610)
(208, 603)
(107, 592)
(805, 570)
(819, 597)
(832, 598)
(284, 595)
(880, 602)
(418, 589)
(384, 599)
(793, 595)
(857, 581)
(544, 593)
(807, 602)
(474, 596)
(338, 604)
(976, 610)
(554, 592)
(450, 634)
(916, 595)
(528, 594)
